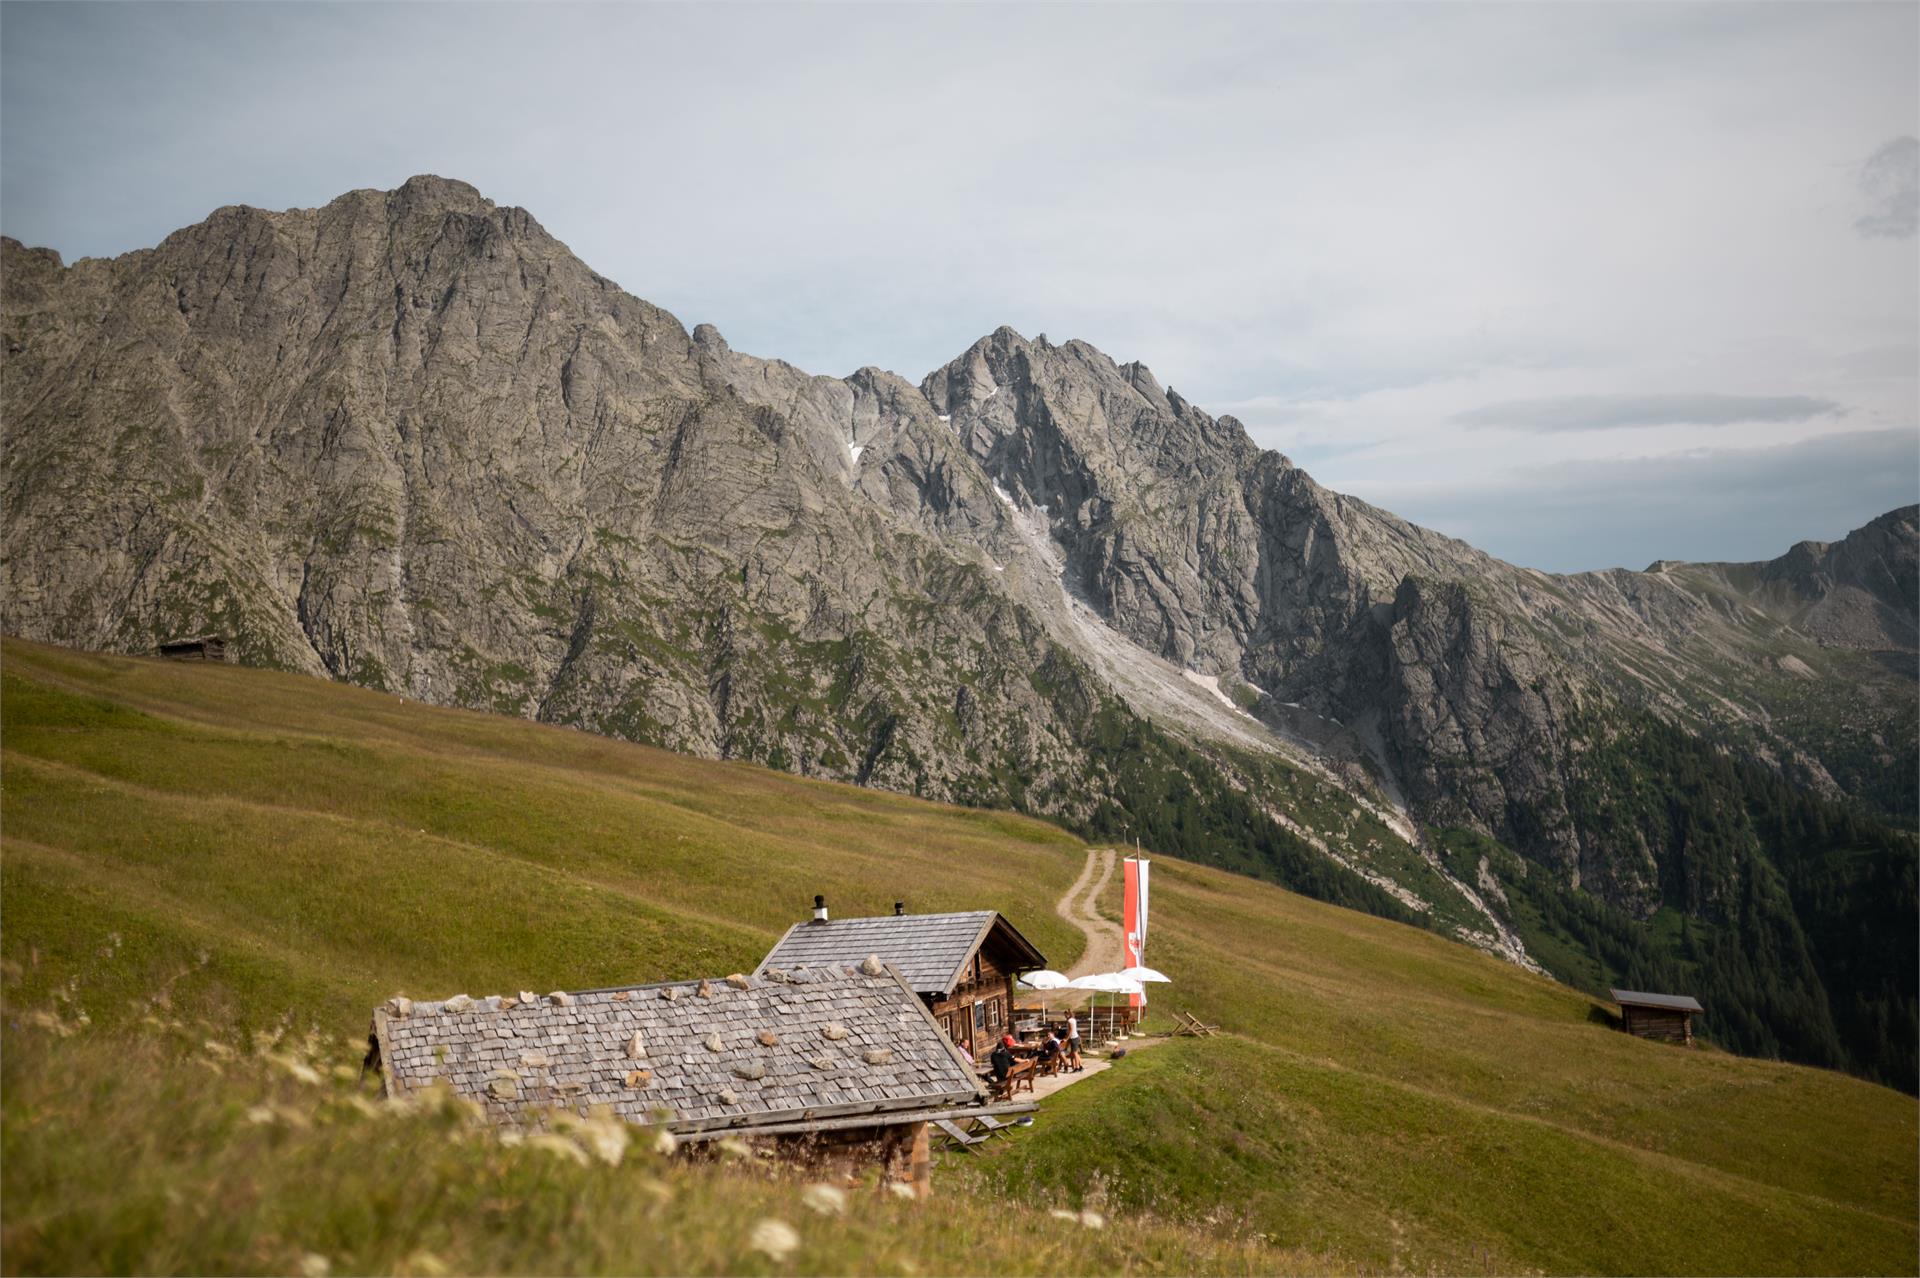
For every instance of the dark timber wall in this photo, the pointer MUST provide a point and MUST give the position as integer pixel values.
(1654, 1022)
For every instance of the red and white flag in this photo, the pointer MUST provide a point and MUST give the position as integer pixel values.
(1134, 915)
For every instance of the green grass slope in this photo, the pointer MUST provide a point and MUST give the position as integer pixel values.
(267, 844)
(256, 848)
(147, 1152)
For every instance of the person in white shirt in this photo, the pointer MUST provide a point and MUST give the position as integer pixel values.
(1073, 1042)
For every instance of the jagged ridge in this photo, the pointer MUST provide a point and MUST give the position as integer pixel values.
(409, 440)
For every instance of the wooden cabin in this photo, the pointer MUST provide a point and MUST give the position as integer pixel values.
(962, 966)
(198, 648)
(839, 1070)
(1662, 1016)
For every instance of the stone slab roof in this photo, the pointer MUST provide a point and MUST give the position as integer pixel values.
(748, 1052)
(930, 951)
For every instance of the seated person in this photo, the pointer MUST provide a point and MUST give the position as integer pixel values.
(1002, 1059)
(1050, 1049)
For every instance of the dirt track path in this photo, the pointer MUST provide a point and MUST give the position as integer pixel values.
(1081, 907)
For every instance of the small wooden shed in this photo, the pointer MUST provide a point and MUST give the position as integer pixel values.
(962, 966)
(1663, 1016)
(196, 648)
(840, 1069)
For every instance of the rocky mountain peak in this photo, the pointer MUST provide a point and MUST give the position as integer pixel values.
(429, 191)
(408, 439)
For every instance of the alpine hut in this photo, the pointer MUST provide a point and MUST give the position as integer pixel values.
(195, 648)
(837, 1066)
(962, 966)
(1666, 1016)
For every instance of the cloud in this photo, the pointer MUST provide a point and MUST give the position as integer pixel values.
(1737, 504)
(1612, 412)
(1882, 362)
(1890, 189)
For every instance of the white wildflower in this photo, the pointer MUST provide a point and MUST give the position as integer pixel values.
(1089, 1218)
(607, 1140)
(557, 1145)
(774, 1239)
(297, 1068)
(828, 1200)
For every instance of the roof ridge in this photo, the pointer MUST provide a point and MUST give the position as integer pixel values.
(929, 949)
(814, 976)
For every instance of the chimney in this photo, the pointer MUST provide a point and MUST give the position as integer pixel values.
(819, 909)
(899, 908)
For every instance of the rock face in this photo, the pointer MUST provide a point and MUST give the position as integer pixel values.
(1476, 684)
(1187, 538)
(1858, 593)
(409, 440)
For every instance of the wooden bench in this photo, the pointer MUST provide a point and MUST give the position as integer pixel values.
(1019, 1077)
(1023, 1075)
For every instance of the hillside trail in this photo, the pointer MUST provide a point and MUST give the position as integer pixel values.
(1104, 953)
(1081, 907)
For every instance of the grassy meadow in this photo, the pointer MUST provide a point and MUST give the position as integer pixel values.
(145, 1150)
(195, 851)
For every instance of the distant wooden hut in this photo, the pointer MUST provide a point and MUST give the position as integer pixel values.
(838, 1068)
(962, 966)
(1663, 1016)
(197, 648)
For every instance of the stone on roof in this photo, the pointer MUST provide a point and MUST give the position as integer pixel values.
(508, 1054)
(930, 951)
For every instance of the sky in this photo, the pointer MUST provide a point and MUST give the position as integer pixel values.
(1587, 286)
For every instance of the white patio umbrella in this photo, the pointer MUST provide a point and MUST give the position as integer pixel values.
(1107, 983)
(1145, 974)
(1044, 979)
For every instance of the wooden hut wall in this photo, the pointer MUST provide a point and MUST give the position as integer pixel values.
(1653, 1022)
(980, 1009)
(899, 1151)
